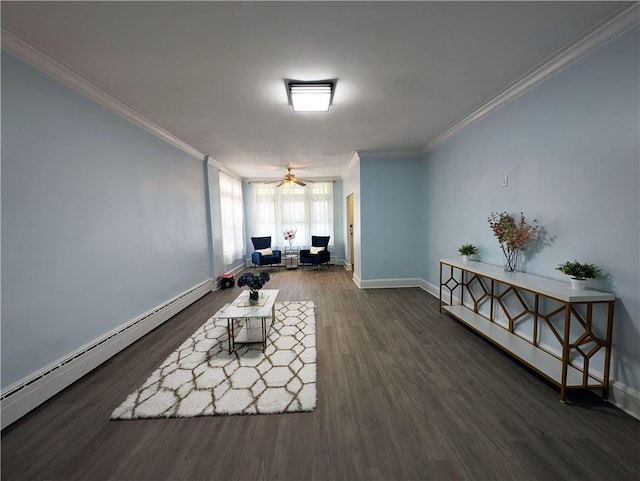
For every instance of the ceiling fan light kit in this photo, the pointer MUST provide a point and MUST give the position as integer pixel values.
(290, 179)
(315, 96)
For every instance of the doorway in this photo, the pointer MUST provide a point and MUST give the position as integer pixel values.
(351, 258)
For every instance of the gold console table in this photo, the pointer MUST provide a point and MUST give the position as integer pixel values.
(562, 334)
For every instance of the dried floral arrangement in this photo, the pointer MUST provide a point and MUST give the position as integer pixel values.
(512, 235)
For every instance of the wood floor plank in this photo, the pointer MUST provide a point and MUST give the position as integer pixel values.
(403, 393)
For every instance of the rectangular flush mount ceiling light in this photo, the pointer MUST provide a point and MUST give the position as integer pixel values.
(310, 96)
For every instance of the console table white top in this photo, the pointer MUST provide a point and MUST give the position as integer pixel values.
(543, 285)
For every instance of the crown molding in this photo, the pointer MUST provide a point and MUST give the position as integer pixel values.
(619, 22)
(352, 161)
(26, 52)
(389, 153)
(214, 163)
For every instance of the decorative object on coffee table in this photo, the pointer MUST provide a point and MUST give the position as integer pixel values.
(254, 283)
(512, 236)
(580, 272)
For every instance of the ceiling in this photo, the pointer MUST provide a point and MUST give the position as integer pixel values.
(212, 73)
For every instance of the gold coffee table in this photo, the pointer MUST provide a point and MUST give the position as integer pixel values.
(252, 331)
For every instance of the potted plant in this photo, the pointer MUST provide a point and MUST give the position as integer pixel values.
(467, 250)
(512, 236)
(254, 283)
(580, 272)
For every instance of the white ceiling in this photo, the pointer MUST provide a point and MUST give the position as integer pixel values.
(212, 73)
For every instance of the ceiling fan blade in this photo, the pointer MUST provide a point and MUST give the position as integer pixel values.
(300, 183)
(281, 182)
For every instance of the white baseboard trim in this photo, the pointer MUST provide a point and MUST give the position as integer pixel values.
(28, 393)
(357, 280)
(625, 398)
(430, 288)
(389, 283)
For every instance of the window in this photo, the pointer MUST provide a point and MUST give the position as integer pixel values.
(308, 209)
(231, 218)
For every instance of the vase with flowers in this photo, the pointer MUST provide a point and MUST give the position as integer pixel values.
(512, 235)
(289, 235)
(254, 283)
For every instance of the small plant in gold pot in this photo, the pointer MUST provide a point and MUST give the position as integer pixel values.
(580, 272)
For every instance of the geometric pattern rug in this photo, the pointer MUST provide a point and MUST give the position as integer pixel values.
(201, 378)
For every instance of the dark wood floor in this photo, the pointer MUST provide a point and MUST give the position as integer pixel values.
(403, 393)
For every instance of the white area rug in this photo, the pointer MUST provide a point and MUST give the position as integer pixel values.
(201, 378)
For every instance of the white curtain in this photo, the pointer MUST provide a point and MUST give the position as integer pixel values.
(308, 210)
(232, 218)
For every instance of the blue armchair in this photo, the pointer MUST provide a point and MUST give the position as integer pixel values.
(260, 257)
(318, 254)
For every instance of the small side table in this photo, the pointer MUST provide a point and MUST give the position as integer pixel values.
(291, 257)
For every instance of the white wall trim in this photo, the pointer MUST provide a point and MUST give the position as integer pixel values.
(618, 23)
(214, 163)
(356, 279)
(386, 154)
(26, 394)
(28, 53)
(625, 398)
(389, 283)
(430, 288)
(352, 161)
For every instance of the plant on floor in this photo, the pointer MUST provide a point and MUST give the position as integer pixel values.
(467, 250)
(579, 270)
(253, 282)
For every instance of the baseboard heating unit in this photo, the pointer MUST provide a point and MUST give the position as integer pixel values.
(26, 394)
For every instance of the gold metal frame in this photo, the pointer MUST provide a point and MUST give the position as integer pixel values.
(583, 347)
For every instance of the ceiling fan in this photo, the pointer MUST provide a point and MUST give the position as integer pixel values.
(289, 179)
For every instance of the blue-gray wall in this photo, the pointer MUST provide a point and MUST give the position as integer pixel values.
(570, 148)
(101, 220)
(389, 214)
